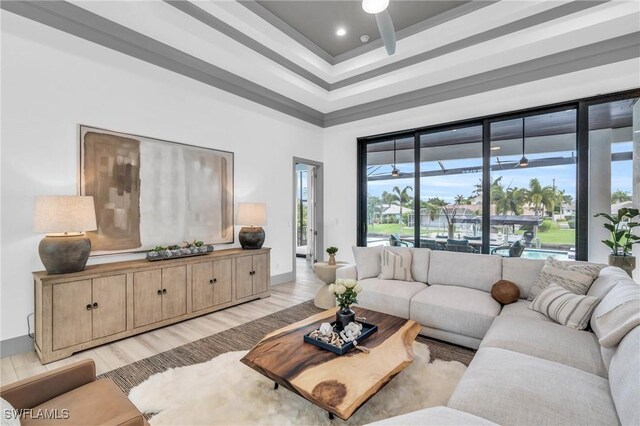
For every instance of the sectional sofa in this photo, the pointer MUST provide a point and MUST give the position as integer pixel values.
(528, 369)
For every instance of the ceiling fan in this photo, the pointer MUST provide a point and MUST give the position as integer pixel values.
(524, 161)
(384, 22)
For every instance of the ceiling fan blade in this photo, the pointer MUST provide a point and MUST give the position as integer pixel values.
(387, 31)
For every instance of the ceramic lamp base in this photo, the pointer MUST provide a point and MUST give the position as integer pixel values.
(64, 254)
(251, 237)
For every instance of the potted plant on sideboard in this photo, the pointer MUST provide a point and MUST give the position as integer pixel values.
(622, 238)
(331, 251)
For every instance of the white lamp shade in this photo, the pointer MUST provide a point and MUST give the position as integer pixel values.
(252, 214)
(64, 213)
(374, 6)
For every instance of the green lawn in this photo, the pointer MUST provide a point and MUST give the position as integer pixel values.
(390, 228)
(557, 236)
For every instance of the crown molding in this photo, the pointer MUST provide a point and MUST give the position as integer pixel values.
(82, 23)
(226, 29)
(521, 24)
(602, 53)
(79, 22)
(441, 18)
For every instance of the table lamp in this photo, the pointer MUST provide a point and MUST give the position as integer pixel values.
(64, 219)
(251, 216)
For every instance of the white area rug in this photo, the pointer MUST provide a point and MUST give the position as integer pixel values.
(224, 391)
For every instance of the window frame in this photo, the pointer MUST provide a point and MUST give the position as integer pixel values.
(582, 163)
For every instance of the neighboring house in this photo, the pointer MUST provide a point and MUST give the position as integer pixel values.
(568, 209)
(394, 211)
(617, 206)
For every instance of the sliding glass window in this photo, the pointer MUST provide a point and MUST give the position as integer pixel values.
(451, 189)
(389, 183)
(614, 147)
(533, 186)
(523, 184)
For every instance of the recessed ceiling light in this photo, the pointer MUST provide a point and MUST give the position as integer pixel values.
(495, 148)
(364, 38)
(341, 31)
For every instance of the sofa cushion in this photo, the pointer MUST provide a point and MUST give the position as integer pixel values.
(367, 261)
(575, 277)
(624, 371)
(419, 261)
(97, 403)
(606, 280)
(546, 340)
(565, 307)
(619, 314)
(420, 264)
(396, 266)
(389, 296)
(442, 416)
(455, 309)
(479, 271)
(510, 388)
(522, 272)
(521, 309)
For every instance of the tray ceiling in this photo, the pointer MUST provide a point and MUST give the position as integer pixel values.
(455, 50)
(319, 20)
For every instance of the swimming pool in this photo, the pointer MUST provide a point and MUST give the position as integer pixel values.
(543, 254)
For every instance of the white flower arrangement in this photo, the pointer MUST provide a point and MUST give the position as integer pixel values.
(346, 292)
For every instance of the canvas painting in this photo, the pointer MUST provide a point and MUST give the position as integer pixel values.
(150, 192)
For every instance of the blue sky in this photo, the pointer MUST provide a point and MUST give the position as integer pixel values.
(447, 187)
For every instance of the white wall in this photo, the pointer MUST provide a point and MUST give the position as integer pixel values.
(52, 81)
(340, 141)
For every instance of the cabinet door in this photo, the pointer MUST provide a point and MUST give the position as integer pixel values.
(202, 286)
(260, 276)
(109, 305)
(71, 318)
(174, 292)
(244, 277)
(147, 302)
(222, 276)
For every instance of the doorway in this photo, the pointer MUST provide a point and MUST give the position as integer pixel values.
(307, 213)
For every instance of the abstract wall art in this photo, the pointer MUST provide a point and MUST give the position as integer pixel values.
(150, 192)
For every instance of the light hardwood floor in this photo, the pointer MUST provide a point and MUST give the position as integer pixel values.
(123, 352)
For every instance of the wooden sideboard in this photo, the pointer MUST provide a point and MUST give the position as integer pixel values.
(112, 301)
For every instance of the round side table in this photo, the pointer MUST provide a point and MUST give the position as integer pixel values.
(327, 274)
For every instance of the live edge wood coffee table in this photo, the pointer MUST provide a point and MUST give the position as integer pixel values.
(338, 384)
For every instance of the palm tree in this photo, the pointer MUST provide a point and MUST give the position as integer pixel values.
(374, 208)
(401, 197)
(432, 207)
(539, 197)
(461, 199)
(496, 188)
(513, 200)
(386, 198)
(620, 196)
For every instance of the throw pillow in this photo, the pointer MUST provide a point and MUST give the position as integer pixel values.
(367, 261)
(505, 292)
(396, 266)
(613, 325)
(576, 278)
(9, 417)
(565, 307)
